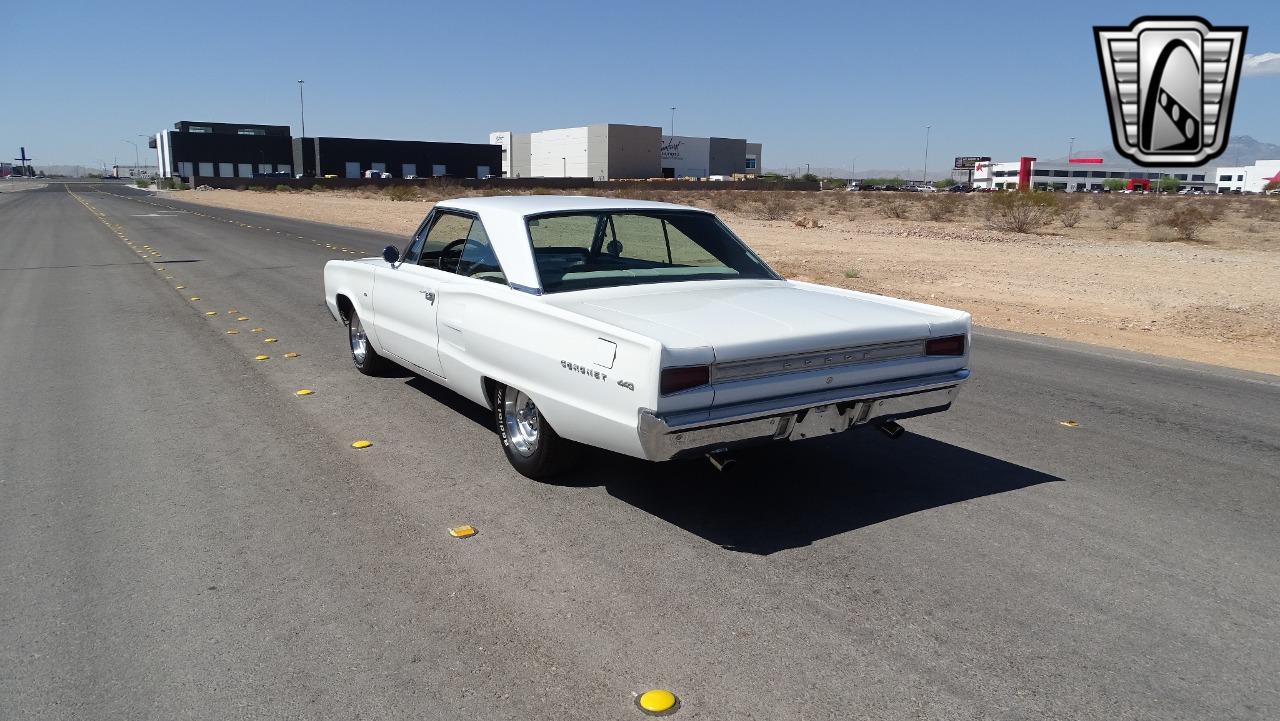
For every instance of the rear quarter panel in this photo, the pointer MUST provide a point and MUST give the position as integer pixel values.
(589, 379)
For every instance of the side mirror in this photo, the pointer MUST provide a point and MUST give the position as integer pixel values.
(391, 254)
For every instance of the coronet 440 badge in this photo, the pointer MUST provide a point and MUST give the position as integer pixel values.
(584, 370)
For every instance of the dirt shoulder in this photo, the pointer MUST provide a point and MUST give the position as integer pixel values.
(1214, 300)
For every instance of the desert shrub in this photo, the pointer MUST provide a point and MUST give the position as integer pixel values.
(1113, 220)
(318, 188)
(1214, 208)
(1126, 209)
(142, 183)
(1183, 219)
(1020, 211)
(774, 205)
(1161, 233)
(398, 193)
(1070, 215)
(725, 200)
(941, 207)
(891, 206)
(1263, 208)
(282, 188)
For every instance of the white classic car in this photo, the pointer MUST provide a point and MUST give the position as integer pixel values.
(648, 329)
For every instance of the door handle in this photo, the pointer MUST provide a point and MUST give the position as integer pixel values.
(429, 296)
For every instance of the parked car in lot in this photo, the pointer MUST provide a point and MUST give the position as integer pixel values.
(648, 329)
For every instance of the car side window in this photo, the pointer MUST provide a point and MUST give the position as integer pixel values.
(447, 235)
(414, 251)
(478, 259)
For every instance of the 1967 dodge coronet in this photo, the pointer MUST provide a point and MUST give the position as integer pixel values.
(643, 328)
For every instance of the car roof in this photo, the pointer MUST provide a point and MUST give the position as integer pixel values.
(524, 205)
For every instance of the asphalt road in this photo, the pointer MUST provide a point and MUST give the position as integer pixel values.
(182, 537)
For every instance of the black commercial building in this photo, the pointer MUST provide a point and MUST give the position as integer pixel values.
(224, 150)
(351, 157)
(242, 150)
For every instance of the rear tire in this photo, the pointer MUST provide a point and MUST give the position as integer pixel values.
(532, 446)
(363, 355)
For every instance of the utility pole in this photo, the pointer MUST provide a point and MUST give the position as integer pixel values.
(925, 172)
(302, 145)
(564, 167)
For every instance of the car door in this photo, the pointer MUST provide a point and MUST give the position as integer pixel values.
(406, 295)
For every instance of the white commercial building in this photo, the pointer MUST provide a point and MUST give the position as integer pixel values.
(135, 171)
(515, 153)
(608, 151)
(1248, 178)
(1081, 175)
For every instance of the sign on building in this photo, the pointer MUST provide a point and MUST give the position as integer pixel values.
(966, 162)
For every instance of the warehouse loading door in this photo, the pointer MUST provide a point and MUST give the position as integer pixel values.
(353, 170)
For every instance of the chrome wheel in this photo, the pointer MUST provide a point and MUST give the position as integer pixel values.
(521, 419)
(359, 341)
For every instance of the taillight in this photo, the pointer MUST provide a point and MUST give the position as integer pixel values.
(675, 380)
(951, 345)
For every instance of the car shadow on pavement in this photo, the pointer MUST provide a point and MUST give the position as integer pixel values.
(786, 495)
(789, 495)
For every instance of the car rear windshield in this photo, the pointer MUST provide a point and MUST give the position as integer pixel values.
(601, 249)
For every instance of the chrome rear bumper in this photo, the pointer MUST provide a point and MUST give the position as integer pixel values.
(794, 418)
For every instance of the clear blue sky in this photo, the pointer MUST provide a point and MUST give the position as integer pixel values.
(815, 82)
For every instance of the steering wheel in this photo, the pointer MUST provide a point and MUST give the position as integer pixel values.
(448, 249)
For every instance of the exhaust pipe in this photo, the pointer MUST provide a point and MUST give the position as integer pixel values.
(720, 460)
(891, 429)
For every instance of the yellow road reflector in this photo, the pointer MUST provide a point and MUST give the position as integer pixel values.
(232, 332)
(233, 311)
(159, 268)
(179, 287)
(242, 317)
(195, 297)
(268, 340)
(256, 330)
(261, 357)
(303, 392)
(462, 532)
(290, 354)
(1069, 424)
(362, 443)
(657, 702)
(211, 312)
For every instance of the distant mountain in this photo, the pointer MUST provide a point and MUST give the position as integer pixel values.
(1241, 150)
(905, 174)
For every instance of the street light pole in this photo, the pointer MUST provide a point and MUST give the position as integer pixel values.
(1071, 149)
(564, 167)
(673, 121)
(137, 159)
(302, 145)
(925, 171)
